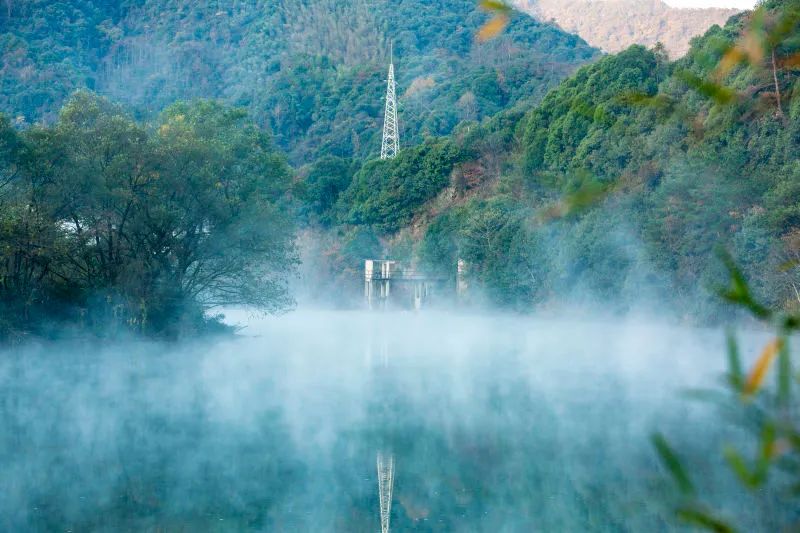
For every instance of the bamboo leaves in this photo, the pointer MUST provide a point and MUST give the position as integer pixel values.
(672, 463)
(497, 23)
(690, 512)
(756, 377)
(767, 411)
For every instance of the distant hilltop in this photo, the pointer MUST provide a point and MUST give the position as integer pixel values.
(614, 25)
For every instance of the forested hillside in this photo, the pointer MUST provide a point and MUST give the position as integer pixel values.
(124, 208)
(166, 162)
(621, 186)
(311, 71)
(108, 226)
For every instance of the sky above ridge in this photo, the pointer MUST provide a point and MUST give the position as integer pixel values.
(741, 4)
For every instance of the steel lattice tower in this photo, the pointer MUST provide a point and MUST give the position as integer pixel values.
(385, 486)
(391, 130)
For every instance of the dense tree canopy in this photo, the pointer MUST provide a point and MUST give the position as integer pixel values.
(385, 193)
(311, 71)
(626, 181)
(123, 225)
(622, 181)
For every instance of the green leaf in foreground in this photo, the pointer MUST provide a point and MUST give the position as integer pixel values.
(738, 292)
(784, 374)
(735, 376)
(673, 464)
(703, 519)
(739, 467)
(713, 91)
(495, 5)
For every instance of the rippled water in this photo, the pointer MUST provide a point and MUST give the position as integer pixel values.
(494, 423)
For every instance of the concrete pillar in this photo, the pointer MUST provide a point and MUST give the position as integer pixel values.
(369, 288)
(462, 286)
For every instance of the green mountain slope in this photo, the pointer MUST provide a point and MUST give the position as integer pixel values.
(312, 71)
(619, 185)
(622, 185)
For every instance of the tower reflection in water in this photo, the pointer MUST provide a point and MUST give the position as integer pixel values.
(383, 415)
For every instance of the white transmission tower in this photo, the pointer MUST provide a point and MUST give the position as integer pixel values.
(391, 130)
(385, 485)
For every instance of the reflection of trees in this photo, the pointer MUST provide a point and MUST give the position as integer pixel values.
(122, 458)
(511, 455)
(490, 443)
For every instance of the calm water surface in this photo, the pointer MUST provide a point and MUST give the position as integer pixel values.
(493, 423)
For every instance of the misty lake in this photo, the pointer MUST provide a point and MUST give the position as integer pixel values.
(497, 424)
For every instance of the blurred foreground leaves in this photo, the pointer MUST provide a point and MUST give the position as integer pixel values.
(768, 415)
(497, 23)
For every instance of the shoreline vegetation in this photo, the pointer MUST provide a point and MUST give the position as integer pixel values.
(110, 224)
(620, 185)
(631, 178)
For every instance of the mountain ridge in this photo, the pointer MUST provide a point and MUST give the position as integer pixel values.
(613, 25)
(312, 72)
(625, 181)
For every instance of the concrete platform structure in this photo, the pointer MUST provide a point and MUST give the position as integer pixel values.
(394, 284)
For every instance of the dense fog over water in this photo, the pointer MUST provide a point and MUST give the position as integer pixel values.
(496, 423)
